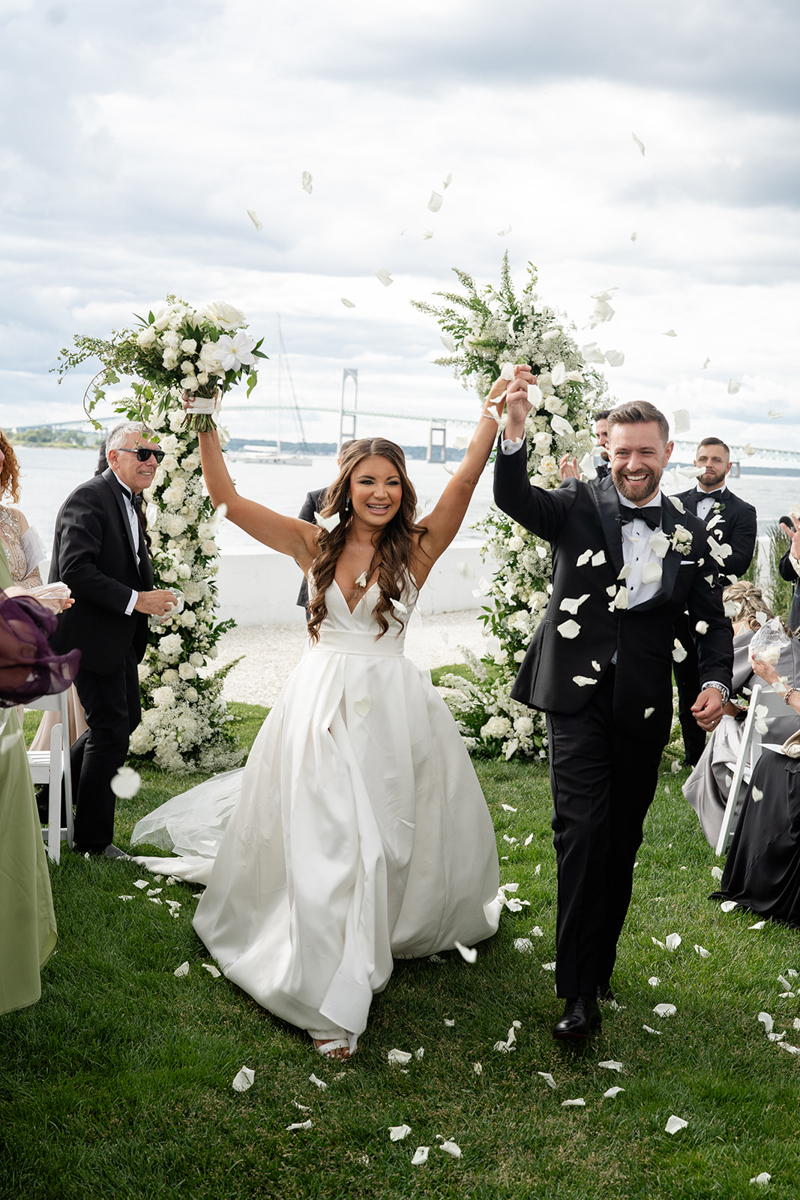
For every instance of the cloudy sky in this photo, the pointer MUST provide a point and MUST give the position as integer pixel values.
(135, 138)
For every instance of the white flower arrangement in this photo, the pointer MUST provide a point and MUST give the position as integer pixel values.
(681, 539)
(486, 332)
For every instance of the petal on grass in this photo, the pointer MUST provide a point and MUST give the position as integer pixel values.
(647, 1029)
(548, 1078)
(762, 1179)
(320, 1083)
(398, 1132)
(674, 1124)
(665, 1010)
(469, 955)
(212, 970)
(673, 940)
(701, 950)
(299, 1125)
(243, 1080)
(399, 1058)
(758, 925)
(610, 1064)
(578, 1103)
(728, 905)
(451, 1148)
(613, 1091)
(420, 1156)
(766, 1021)
(654, 981)
(182, 970)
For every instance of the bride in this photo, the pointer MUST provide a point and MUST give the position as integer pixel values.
(358, 830)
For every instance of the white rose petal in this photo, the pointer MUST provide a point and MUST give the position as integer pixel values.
(420, 1156)
(327, 523)
(363, 706)
(299, 1125)
(583, 680)
(728, 906)
(763, 1179)
(320, 1083)
(701, 950)
(583, 558)
(306, 182)
(579, 1103)
(523, 945)
(561, 427)
(611, 1064)
(613, 1091)
(347, 303)
(648, 712)
(477, 1068)
(651, 572)
(384, 275)
(558, 374)
(569, 629)
(757, 794)
(599, 558)
(701, 627)
(243, 1080)
(654, 981)
(212, 970)
(399, 1058)
(674, 1124)
(615, 358)
(679, 653)
(126, 783)
(451, 1148)
(658, 542)
(435, 202)
(548, 1078)
(672, 941)
(592, 353)
(469, 955)
(182, 970)
(639, 143)
(398, 1132)
(572, 606)
(681, 421)
(773, 415)
(251, 214)
(665, 1010)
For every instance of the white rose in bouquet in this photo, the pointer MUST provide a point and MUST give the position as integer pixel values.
(224, 315)
(147, 337)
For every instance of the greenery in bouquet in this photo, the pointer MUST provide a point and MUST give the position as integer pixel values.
(488, 332)
(176, 348)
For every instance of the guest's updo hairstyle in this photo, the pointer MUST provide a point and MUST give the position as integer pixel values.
(394, 547)
(9, 474)
(750, 604)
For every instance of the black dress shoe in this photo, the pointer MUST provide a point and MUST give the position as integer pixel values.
(114, 852)
(581, 1017)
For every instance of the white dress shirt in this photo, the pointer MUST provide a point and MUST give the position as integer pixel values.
(133, 521)
(707, 500)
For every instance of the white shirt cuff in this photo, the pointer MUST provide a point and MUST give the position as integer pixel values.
(131, 603)
(510, 447)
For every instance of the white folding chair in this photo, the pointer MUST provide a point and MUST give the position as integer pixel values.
(51, 766)
(749, 754)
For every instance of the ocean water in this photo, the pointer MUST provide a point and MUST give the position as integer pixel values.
(48, 476)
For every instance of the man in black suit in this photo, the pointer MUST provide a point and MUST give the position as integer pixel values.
(789, 567)
(729, 521)
(568, 467)
(600, 666)
(314, 503)
(100, 551)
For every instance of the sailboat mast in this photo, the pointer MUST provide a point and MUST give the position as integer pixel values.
(280, 367)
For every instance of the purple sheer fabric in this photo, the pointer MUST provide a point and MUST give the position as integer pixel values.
(28, 667)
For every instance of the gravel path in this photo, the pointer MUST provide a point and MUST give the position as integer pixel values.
(271, 651)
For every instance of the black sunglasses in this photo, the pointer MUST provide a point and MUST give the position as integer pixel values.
(143, 453)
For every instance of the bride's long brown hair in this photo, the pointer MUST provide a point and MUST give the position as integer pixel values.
(393, 548)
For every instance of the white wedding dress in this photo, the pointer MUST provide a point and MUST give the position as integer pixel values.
(356, 832)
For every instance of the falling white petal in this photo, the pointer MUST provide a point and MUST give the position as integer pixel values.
(327, 523)
(615, 358)
(420, 1156)
(435, 202)
(571, 605)
(677, 504)
(674, 1124)
(670, 333)
(306, 182)
(384, 275)
(560, 426)
(243, 1079)
(679, 653)
(469, 955)
(253, 217)
(639, 144)
(347, 303)
(733, 387)
(583, 680)
(681, 421)
(757, 794)
(599, 558)
(399, 1058)
(648, 712)
(658, 542)
(504, 232)
(651, 572)
(126, 783)
(427, 235)
(592, 353)
(558, 374)
(398, 606)
(773, 415)
(446, 182)
(569, 629)
(363, 706)
(583, 558)
(398, 1132)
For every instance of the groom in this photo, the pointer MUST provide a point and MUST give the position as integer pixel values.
(625, 564)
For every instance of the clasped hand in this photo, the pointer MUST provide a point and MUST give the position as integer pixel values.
(516, 400)
(707, 709)
(156, 603)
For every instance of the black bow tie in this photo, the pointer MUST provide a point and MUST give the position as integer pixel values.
(651, 514)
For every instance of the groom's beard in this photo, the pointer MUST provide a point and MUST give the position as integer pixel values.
(642, 491)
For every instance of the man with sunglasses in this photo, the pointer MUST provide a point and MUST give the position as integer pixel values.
(100, 552)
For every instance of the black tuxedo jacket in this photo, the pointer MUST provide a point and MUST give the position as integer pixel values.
(579, 517)
(95, 555)
(313, 502)
(738, 526)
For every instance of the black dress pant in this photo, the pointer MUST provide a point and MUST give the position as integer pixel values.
(603, 782)
(113, 710)
(687, 678)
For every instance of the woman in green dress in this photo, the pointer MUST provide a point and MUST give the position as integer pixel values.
(27, 921)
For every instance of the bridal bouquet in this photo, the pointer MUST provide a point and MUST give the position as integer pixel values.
(175, 349)
(486, 333)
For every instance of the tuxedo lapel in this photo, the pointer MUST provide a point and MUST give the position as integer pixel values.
(606, 498)
(689, 501)
(123, 504)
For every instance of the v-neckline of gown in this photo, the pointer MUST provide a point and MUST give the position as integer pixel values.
(360, 600)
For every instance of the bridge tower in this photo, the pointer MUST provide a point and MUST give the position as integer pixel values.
(347, 413)
(437, 440)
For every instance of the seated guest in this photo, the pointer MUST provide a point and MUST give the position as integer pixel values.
(707, 787)
(763, 868)
(22, 546)
(789, 566)
(28, 668)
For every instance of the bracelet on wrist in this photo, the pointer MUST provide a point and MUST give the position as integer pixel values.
(788, 693)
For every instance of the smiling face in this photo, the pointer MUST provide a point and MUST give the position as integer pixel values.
(715, 462)
(601, 435)
(127, 468)
(638, 456)
(376, 491)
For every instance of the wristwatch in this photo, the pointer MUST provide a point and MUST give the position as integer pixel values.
(720, 687)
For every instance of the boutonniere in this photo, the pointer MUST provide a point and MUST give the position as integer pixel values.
(681, 540)
(718, 506)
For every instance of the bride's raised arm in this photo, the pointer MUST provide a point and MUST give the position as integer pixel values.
(444, 521)
(285, 534)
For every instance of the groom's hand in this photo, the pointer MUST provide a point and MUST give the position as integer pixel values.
(707, 709)
(157, 603)
(517, 403)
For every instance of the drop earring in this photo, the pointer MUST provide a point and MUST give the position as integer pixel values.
(347, 505)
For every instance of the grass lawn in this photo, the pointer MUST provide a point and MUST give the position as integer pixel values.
(118, 1082)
